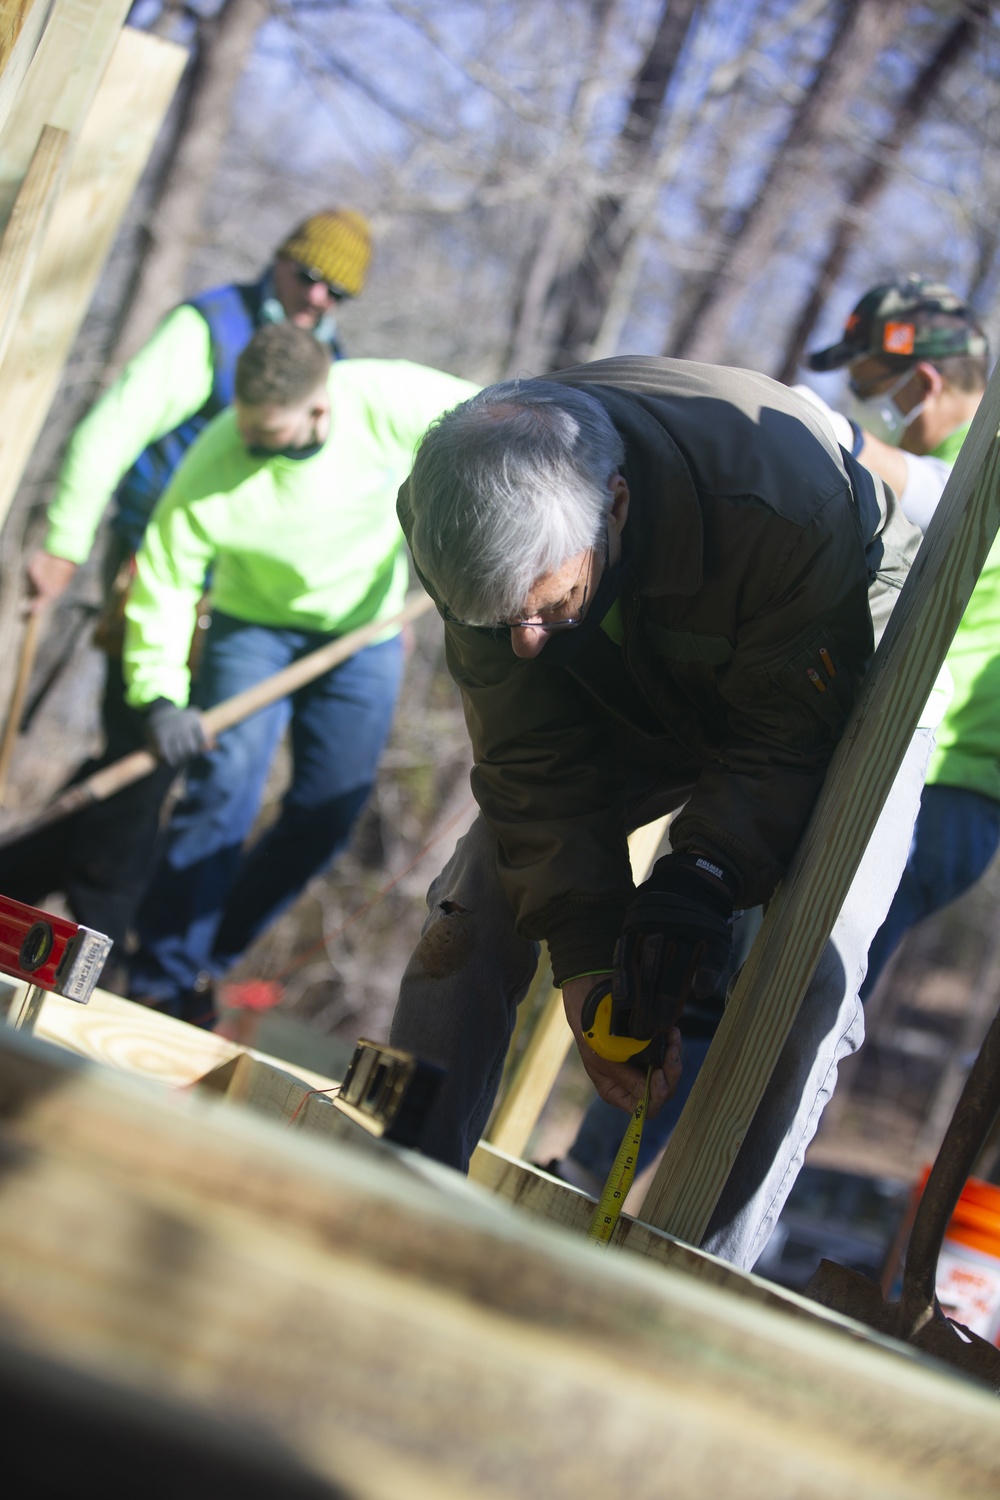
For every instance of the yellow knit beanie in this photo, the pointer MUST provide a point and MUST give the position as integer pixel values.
(337, 243)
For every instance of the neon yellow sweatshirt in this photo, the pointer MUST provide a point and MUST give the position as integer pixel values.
(312, 544)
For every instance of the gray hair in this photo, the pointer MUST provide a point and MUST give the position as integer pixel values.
(506, 488)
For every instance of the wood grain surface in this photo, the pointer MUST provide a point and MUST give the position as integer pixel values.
(383, 1324)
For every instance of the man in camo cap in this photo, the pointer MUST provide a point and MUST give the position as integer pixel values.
(917, 363)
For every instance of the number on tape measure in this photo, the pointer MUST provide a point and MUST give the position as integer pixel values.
(620, 1178)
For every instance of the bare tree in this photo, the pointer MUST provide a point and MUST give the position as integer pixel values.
(853, 217)
(863, 28)
(222, 45)
(583, 292)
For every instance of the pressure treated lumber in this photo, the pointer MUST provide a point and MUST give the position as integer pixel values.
(533, 1191)
(59, 86)
(545, 1051)
(22, 238)
(384, 1326)
(133, 767)
(68, 1434)
(21, 25)
(113, 146)
(135, 1039)
(765, 1002)
(260, 1084)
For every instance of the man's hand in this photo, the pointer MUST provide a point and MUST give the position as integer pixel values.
(619, 1083)
(176, 734)
(676, 944)
(48, 576)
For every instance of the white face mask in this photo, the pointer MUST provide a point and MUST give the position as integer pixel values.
(880, 415)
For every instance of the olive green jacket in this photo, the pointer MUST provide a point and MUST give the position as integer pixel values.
(726, 671)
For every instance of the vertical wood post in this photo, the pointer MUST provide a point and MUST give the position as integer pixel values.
(25, 231)
(59, 85)
(22, 23)
(801, 916)
(108, 157)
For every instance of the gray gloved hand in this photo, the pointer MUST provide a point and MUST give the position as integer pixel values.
(176, 734)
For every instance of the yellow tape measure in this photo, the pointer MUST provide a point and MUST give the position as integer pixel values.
(609, 1206)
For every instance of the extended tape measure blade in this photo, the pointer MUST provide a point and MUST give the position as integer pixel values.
(621, 1176)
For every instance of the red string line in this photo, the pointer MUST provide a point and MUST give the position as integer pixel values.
(333, 1088)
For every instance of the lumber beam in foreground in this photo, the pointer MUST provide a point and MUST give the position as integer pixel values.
(410, 1339)
(801, 916)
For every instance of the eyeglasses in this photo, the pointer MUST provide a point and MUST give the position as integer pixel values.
(309, 277)
(551, 627)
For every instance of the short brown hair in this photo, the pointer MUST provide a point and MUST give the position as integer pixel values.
(967, 373)
(281, 365)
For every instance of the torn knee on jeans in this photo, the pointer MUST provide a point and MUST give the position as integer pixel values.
(445, 945)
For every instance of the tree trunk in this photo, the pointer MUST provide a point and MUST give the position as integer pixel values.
(583, 293)
(864, 28)
(223, 45)
(528, 349)
(915, 103)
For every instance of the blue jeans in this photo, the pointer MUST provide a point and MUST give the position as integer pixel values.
(209, 898)
(955, 837)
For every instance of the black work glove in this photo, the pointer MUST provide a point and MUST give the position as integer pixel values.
(676, 943)
(176, 734)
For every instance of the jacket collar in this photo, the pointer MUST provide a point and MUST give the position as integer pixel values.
(664, 533)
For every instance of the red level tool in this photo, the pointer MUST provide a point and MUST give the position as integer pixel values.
(49, 954)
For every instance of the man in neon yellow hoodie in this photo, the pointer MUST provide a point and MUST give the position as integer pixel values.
(124, 452)
(288, 501)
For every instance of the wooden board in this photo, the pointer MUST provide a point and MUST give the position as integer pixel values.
(60, 84)
(410, 1340)
(22, 238)
(107, 159)
(535, 1192)
(801, 916)
(135, 1039)
(21, 25)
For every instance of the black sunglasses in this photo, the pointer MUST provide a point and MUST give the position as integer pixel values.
(313, 278)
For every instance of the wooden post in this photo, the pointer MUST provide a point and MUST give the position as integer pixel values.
(22, 238)
(766, 1000)
(66, 67)
(21, 25)
(545, 1051)
(114, 143)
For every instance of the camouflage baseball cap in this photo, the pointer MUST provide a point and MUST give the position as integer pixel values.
(911, 319)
